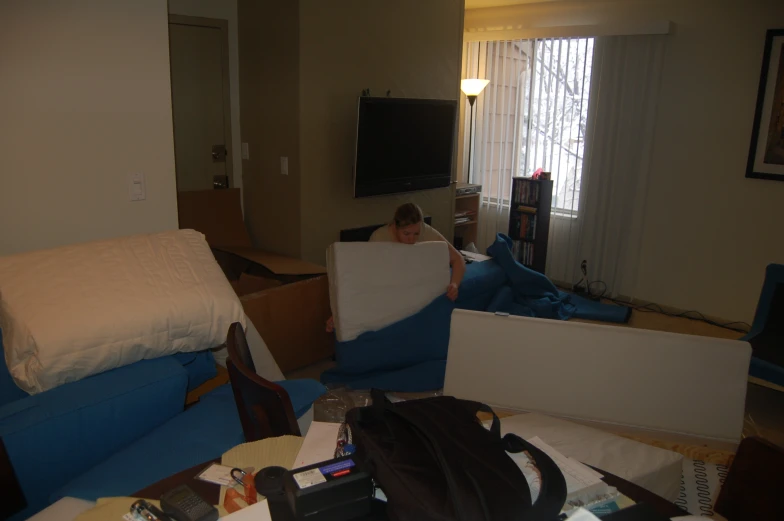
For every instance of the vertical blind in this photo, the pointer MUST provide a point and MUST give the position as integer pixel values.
(531, 116)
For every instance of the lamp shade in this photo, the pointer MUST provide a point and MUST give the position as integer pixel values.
(473, 87)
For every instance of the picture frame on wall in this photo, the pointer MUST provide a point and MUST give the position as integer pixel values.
(766, 154)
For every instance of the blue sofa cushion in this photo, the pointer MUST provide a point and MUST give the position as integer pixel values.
(199, 365)
(422, 337)
(203, 432)
(302, 393)
(9, 391)
(56, 435)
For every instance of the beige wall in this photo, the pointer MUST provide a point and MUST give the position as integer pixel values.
(709, 232)
(411, 47)
(269, 101)
(85, 101)
(222, 10)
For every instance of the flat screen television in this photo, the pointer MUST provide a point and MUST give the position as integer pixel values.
(403, 145)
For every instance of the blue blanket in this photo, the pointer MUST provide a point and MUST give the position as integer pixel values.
(410, 355)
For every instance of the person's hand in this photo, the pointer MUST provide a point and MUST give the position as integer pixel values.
(330, 325)
(451, 291)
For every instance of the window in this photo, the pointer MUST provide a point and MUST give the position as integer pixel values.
(532, 115)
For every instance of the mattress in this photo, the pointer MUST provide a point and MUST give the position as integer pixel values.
(375, 284)
(74, 311)
(652, 468)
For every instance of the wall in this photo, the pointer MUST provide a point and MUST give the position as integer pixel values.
(410, 47)
(270, 119)
(708, 232)
(222, 10)
(85, 100)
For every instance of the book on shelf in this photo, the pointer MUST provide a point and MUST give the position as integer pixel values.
(527, 191)
(526, 227)
(462, 220)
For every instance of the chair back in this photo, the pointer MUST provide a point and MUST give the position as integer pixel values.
(264, 407)
(754, 483)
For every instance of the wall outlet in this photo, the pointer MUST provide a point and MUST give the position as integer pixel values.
(245, 151)
(137, 188)
(284, 166)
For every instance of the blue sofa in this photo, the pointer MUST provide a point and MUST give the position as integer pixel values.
(767, 332)
(54, 436)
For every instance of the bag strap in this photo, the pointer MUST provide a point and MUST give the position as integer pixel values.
(552, 494)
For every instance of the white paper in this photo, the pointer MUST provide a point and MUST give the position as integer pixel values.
(308, 478)
(577, 475)
(256, 512)
(319, 444)
(218, 474)
(581, 514)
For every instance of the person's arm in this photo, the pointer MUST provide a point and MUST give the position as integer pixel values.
(458, 271)
(455, 260)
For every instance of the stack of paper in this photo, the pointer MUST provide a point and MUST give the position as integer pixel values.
(584, 486)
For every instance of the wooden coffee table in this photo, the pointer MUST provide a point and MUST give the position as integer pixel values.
(211, 492)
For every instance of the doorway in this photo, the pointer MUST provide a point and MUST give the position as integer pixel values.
(199, 56)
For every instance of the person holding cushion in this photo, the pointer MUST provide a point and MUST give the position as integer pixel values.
(409, 227)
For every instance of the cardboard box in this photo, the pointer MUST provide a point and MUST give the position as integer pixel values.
(287, 299)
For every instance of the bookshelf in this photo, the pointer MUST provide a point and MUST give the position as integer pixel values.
(466, 219)
(529, 220)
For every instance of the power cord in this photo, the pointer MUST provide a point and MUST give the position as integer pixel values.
(585, 288)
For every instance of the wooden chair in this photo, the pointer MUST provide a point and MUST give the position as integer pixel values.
(264, 407)
(754, 483)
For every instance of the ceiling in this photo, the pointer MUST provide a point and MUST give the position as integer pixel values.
(478, 4)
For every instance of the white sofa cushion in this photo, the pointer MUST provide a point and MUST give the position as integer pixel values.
(683, 384)
(375, 284)
(79, 310)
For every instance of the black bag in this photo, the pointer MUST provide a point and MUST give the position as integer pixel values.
(434, 460)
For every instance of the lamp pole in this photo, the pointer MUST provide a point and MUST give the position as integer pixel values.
(471, 88)
(471, 100)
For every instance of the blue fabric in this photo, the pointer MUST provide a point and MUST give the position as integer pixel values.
(426, 376)
(480, 284)
(199, 365)
(203, 432)
(421, 337)
(764, 369)
(9, 391)
(302, 393)
(774, 275)
(534, 295)
(53, 436)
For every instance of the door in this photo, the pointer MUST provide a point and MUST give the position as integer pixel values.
(198, 50)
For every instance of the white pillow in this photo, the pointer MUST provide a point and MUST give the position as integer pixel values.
(79, 310)
(375, 284)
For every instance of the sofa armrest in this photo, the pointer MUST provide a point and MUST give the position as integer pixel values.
(56, 435)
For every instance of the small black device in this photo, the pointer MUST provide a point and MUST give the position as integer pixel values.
(183, 504)
(333, 490)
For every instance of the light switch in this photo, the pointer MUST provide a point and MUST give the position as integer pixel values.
(138, 191)
(245, 152)
(284, 166)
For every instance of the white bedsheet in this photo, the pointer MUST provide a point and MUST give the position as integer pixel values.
(79, 310)
(375, 284)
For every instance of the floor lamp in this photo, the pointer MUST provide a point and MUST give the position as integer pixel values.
(471, 88)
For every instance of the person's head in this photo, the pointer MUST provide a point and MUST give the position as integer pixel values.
(408, 223)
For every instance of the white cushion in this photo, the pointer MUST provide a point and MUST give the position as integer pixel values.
(655, 469)
(75, 311)
(684, 384)
(65, 509)
(375, 284)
